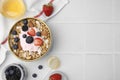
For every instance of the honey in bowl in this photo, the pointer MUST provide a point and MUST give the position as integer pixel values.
(12, 8)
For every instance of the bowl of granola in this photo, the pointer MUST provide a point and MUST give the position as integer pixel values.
(29, 39)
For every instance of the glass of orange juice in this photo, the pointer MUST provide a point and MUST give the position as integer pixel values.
(12, 8)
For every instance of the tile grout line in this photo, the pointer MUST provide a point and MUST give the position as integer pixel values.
(85, 22)
(86, 53)
(84, 67)
(114, 66)
(113, 55)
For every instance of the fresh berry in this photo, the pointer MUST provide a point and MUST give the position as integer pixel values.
(16, 39)
(25, 28)
(25, 21)
(11, 72)
(18, 72)
(34, 75)
(6, 73)
(14, 32)
(38, 34)
(48, 9)
(24, 35)
(31, 32)
(29, 39)
(40, 67)
(15, 46)
(56, 77)
(38, 42)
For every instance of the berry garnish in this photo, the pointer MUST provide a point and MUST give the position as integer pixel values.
(38, 42)
(11, 72)
(48, 9)
(6, 73)
(14, 32)
(25, 28)
(31, 32)
(56, 76)
(38, 34)
(40, 67)
(24, 35)
(34, 75)
(15, 46)
(29, 39)
(25, 21)
(16, 39)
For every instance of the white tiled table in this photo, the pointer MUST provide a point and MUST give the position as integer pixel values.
(86, 38)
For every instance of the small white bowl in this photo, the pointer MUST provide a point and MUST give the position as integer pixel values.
(22, 69)
(64, 77)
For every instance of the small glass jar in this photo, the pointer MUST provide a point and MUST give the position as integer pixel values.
(12, 8)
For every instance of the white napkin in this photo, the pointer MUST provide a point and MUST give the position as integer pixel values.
(58, 5)
(34, 7)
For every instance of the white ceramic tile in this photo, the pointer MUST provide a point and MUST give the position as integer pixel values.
(117, 67)
(116, 10)
(116, 30)
(67, 38)
(99, 10)
(87, 11)
(99, 67)
(99, 38)
(76, 37)
(72, 65)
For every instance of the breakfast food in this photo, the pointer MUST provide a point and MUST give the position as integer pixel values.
(14, 72)
(53, 62)
(57, 75)
(40, 67)
(48, 9)
(29, 39)
(34, 75)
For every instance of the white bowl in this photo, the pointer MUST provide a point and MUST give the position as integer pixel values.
(22, 69)
(64, 77)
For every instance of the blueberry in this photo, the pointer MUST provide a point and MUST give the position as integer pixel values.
(14, 32)
(6, 73)
(15, 46)
(25, 28)
(16, 39)
(24, 35)
(25, 21)
(40, 67)
(11, 72)
(29, 39)
(38, 34)
(18, 73)
(34, 75)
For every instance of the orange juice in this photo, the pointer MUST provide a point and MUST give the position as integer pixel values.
(13, 8)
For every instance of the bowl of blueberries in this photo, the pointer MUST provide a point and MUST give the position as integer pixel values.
(14, 72)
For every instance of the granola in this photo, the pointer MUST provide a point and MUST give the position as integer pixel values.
(29, 39)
